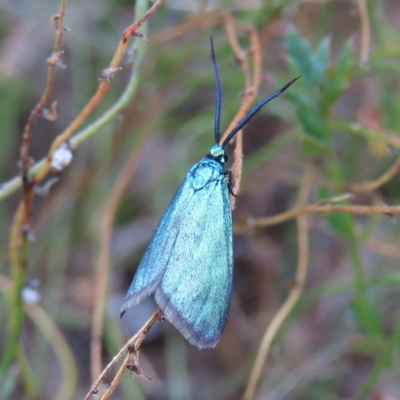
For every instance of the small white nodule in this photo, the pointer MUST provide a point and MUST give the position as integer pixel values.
(31, 296)
(62, 157)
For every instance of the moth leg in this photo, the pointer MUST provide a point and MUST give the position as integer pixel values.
(231, 182)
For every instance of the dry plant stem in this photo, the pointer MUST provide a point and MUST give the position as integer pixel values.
(37, 112)
(18, 244)
(237, 169)
(365, 31)
(8, 188)
(100, 93)
(107, 224)
(251, 94)
(199, 21)
(115, 382)
(17, 256)
(239, 53)
(383, 248)
(368, 186)
(315, 209)
(106, 230)
(295, 293)
(135, 341)
(11, 186)
(251, 90)
(17, 317)
(55, 338)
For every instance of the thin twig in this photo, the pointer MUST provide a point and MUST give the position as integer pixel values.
(100, 93)
(56, 340)
(383, 360)
(251, 94)
(365, 31)
(118, 376)
(53, 62)
(133, 343)
(295, 293)
(315, 209)
(383, 248)
(199, 21)
(367, 186)
(252, 84)
(237, 167)
(18, 243)
(10, 187)
(357, 128)
(106, 230)
(44, 169)
(104, 257)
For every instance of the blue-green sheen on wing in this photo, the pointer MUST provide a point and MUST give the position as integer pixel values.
(188, 263)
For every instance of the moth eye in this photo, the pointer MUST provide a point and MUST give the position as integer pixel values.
(222, 158)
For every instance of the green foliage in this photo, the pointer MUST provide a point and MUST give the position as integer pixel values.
(337, 78)
(341, 223)
(368, 316)
(324, 84)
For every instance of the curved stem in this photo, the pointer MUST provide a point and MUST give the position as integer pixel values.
(295, 293)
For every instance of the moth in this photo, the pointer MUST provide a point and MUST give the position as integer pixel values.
(188, 265)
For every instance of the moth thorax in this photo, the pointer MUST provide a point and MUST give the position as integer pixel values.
(218, 152)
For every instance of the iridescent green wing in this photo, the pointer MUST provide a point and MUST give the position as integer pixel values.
(196, 287)
(157, 255)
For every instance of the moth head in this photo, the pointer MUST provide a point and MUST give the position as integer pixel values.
(220, 147)
(218, 153)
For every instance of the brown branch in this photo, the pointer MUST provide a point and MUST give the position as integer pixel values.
(56, 339)
(106, 230)
(251, 92)
(294, 295)
(241, 56)
(53, 62)
(108, 75)
(365, 31)
(132, 345)
(237, 167)
(367, 186)
(199, 21)
(383, 248)
(315, 209)
(18, 242)
(118, 376)
(252, 84)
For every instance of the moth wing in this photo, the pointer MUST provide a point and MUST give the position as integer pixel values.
(196, 288)
(156, 257)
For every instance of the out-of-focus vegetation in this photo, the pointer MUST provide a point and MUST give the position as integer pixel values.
(340, 124)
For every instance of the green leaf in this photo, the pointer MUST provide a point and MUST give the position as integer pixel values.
(313, 125)
(313, 149)
(341, 223)
(337, 79)
(299, 51)
(311, 66)
(346, 59)
(366, 346)
(321, 60)
(367, 315)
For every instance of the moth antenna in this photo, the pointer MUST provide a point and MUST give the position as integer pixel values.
(255, 110)
(218, 95)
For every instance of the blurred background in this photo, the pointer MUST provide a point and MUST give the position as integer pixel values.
(340, 120)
